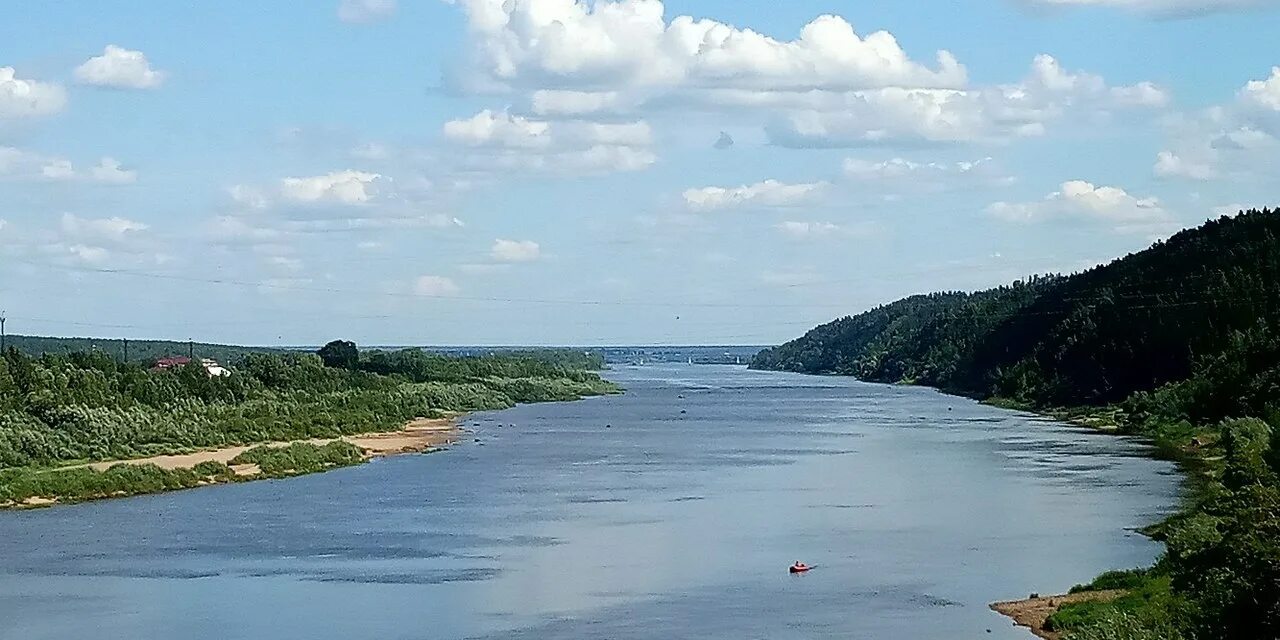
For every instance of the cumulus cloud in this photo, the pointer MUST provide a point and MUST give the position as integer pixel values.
(488, 128)
(433, 286)
(769, 193)
(902, 114)
(1084, 200)
(1171, 165)
(501, 140)
(1263, 94)
(1230, 140)
(366, 11)
(515, 250)
(119, 68)
(588, 47)
(828, 87)
(342, 187)
(21, 98)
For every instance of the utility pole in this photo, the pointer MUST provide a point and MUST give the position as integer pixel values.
(126, 351)
(191, 349)
(2, 337)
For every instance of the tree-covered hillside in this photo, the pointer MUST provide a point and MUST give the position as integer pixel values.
(1140, 322)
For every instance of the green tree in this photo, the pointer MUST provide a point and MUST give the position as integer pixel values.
(340, 354)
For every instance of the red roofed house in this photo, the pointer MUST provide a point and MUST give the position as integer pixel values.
(211, 367)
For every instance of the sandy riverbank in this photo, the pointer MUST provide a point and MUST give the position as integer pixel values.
(1033, 612)
(417, 436)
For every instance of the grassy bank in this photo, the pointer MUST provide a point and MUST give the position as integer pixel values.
(59, 411)
(33, 487)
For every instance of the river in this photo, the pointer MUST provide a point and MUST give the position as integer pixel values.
(669, 512)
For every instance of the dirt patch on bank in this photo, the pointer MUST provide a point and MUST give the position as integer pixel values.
(423, 434)
(1033, 612)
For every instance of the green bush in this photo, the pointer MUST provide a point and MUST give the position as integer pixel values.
(1127, 579)
(300, 457)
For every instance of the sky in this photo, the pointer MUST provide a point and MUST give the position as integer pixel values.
(561, 172)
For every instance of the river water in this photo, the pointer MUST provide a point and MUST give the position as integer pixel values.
(670, 512)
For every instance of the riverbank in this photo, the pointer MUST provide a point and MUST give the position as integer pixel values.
(417, 436)
(1033, 612)
(237, 464)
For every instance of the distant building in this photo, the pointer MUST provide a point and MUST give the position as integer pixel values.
(214, 369)
(211, 367)
(164, 364)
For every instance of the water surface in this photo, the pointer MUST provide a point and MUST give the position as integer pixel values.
(669, 512)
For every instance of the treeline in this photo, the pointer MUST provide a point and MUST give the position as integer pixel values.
(57, 409)
(138, 351)
(1181, 342)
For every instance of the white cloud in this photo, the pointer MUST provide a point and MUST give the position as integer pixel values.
(366, 11)
(1161, 7)
(769, 193)
(1171, 165)
(829, 87)
(1264, 94)
(900, 172)
(248, 197)
(435, 286)
(119, 68)
(342, 187)
(114, 229)
(1229, 141)
(515, 250)
(565, 102)
(109, 171)
(23, 165)
(58, 169)
(1080, 199)
(384, 222)
(488, 128)
(900, 114)
(28, 98)
(500, 140)
(629, 44)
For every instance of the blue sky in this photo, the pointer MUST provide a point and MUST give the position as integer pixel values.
(629, 171)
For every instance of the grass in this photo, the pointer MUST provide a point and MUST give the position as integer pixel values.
(28, 486)
(1146, 595)
(300, 457)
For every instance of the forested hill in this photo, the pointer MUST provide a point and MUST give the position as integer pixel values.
(1203, 304)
